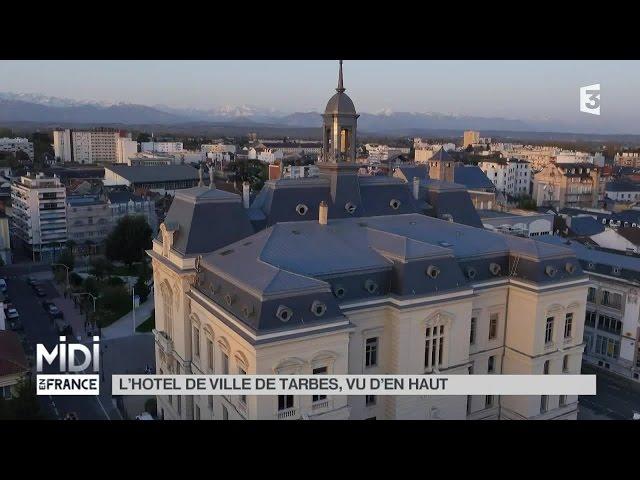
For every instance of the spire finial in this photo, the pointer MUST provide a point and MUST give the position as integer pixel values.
(340, 88)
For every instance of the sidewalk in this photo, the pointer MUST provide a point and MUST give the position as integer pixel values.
(123, 327)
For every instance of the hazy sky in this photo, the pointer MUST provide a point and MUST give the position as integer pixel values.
(514, 89)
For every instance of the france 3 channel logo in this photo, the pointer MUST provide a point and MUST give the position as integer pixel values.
(590, 99)
(71, 358)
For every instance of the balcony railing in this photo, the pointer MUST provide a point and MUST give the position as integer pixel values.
(287, 413)
(320, 404)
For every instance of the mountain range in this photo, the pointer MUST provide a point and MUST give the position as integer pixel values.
(16, 107)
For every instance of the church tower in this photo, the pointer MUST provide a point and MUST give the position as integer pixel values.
(340, 122)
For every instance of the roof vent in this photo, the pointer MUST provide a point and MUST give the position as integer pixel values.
(550, 270)
(229, 299)
(570, 267)
(284, 313)
(433, 271)
(616, 270)
(395, 204)
(471, 273)
(339, 291)
(302, 209)
(495, 269)
(371, 286)
(318, 308)
(247, 311)
(591, 266)
(350, 207)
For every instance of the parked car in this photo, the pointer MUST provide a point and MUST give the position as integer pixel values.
(32, 281)
(12, 314)
(3, 285)
(40, 291)
(46, 304)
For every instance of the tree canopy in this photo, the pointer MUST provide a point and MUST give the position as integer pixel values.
(129, 240)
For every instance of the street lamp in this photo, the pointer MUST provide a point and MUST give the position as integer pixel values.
(66, 267)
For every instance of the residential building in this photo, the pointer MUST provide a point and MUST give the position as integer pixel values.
(510, 176)
(269, 155)
(125, 149)
(148, 159)
(13, 145)
(611, 327)
(122, 203)
(372, 286)
(567, 185)
(5, 240)
(380, 153)
(300, 171)
(38, 222)
(161, 147)
(166, 178)
(470, 138)
(13, 363)
(596, 159)
(88, 221)
(623, 191)
(423, 151)
(87, 146)
(627, 159)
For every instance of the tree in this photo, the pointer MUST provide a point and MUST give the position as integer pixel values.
(100, 267)
(24, 405)
(143, 137)
(141, 289)
(129, 240)
(66, 258)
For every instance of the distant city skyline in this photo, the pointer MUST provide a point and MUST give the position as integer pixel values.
(525, 90)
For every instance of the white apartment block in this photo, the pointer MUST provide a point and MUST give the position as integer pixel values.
(39, 221)
(125, 149)
(424, 151)
(218, 148)
(380, 153)
(86, 146)
(162, 147)
(13, 145)
(511, 177)
(570, 156)
(628, 159)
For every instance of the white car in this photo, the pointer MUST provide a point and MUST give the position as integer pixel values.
(12, 313)
(144, 416)
(3, 285)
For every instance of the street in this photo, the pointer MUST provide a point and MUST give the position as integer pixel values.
(616, 399)
(38, 328)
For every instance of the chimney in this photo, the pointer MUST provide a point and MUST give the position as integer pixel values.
(416, 188)
(245, 194)
(323, 213)
(274, 171)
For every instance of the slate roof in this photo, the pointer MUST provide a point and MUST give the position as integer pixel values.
(358, 258)
(123, 197)
(206, 220)
(630, 233)
(472, 177)
(585, 226)
(13, 360)
(160, 173)
(594, 260)
(622, 187)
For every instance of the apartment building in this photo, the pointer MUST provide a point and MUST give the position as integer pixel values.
(510, 176)
(38, 215)
(162, 147)
(345, 274)
(88, 146)
(574, 185)
(122, 203)
(88, 221)
(627, 159)
(612, 326)
(125, 149)
(13, 145)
